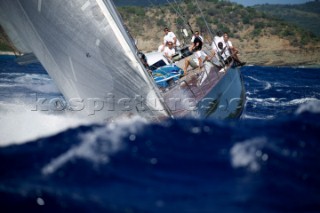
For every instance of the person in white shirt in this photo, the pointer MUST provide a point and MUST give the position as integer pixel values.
(169, 51)
(218, 38)
(233, 51)
(223, 50)
(221, 53)
(168, 37)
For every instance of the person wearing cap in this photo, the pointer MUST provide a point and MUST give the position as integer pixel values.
(168, 37)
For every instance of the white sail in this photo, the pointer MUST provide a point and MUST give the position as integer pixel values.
(87, 52)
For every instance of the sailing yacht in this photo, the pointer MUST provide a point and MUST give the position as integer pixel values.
(86, 50)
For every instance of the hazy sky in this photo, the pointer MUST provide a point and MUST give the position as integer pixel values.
(253, 2)
(243, 2)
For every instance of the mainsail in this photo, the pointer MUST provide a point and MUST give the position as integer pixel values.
(86, 50)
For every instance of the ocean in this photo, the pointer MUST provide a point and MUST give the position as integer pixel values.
(266, 161)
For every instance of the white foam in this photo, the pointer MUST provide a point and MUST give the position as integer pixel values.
(298, 101)
(6, 85)
(266, 101)
(255, 79)
(45, 88)
(90, 149)
(267, 85)
(37, 82)
(251, 117)
(279, 101)
(18, 124)
(247, 154)
(312, 106)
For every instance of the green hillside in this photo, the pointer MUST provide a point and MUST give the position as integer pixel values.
(4, 41)
(306, 16)
(243, 23)
(262, 37)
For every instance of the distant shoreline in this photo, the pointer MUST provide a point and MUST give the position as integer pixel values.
(7, 53)
(10, 53)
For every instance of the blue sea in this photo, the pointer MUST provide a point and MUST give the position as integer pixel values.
(267, 161)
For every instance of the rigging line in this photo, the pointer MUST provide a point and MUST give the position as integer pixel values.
(205, 21)
(210, 32)
(155, 6)
(185, 23)
(209, 29)
(178, 7)
(179, 16)
(163, 13)
(171, 4)
(160, 8)
(11, 45)
(177, 12)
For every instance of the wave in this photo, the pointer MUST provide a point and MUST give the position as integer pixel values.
(89, 149)
(174, 166)
(20, 124)
(257, 117)
(41, 83)
(37, 83)
(280, 101)
(246, 154)
(267, 85)
(312, 106)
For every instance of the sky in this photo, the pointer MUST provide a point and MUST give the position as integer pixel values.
(254, 2)
(243, 2)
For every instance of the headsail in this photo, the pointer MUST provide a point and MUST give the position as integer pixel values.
(86, 50)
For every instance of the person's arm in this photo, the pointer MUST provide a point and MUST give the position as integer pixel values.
(191, 47)
(163, 45)
(200, 63)
(212, 54)
(192, 39)
(174, 41)
(194, 45)
(233, 50)
(166, 53)
(173, 36)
